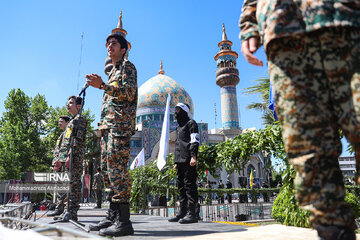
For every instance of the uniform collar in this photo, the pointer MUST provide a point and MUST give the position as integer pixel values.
(118, 63)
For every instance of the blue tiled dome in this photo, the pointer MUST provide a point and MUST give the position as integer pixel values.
(153, 93)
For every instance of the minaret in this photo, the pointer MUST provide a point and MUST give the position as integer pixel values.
(161, 71)
(227, 77)
(118, 30)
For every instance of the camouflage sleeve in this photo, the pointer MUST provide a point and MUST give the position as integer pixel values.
(55, 155)
(62, 154)
(126, 90)
(57, 148)
(248, 22)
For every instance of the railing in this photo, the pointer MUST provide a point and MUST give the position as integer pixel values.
(43, 228)
(16, 210)
(17, 216)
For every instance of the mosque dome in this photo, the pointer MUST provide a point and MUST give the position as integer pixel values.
(152, 97)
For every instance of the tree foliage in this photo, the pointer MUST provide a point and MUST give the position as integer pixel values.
(235, 153)
(21, 130)
(28, 132)
(148, 180)
(262, 88)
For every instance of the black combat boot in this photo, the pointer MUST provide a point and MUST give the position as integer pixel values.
(335, 233)
(180, 214)
(108, 220)
(60, 206)
(122, 225)
(190, 216)
(57, 212)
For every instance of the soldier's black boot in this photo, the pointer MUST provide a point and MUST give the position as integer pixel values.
(335, 233)
(59, 209)
(122, 225)
(190, 216)
(108, 220)
(57, 212)
(180, 214)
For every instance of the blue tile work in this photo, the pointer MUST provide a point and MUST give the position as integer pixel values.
(153, 94)
(229, 108)
(226, 58)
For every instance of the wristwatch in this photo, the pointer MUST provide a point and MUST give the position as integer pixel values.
(102, 85)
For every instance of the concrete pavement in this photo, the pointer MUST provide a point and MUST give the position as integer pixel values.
(154, 227)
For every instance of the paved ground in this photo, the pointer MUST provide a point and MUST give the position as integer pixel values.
(153, 227)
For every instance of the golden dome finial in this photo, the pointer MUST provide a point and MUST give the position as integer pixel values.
(161, 71)
(224, 37)
(120, 21)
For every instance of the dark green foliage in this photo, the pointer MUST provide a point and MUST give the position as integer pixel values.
(285, 207)
(286, 210)
(207, 160)
(28, 132)
(22, 126)
(353, 201)
(262, 88)
(148, 180)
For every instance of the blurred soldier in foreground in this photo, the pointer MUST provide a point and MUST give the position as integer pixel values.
(313, 52)
(117, 125)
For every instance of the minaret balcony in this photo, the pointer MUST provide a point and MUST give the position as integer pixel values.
(227, 76)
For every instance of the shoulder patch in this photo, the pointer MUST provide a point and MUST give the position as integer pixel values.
(68, 132)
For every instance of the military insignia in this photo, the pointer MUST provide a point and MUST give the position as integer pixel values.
(68, 132)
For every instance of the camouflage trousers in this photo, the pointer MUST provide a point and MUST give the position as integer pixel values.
(75, 182)
(316, 80)
(61, 198)
(115, 154)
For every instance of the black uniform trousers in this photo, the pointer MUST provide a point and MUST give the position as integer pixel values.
(186, 180)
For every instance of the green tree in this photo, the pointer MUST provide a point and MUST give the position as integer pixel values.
(28, 132)
(21, 127)
(262, 87)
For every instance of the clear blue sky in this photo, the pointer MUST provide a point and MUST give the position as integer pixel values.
(40, 49)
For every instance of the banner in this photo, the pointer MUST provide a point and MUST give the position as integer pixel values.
(139, 160)
(272, 102)
(165, 134)
(251, 178)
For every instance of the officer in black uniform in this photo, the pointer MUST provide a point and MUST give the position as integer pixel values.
(186, 150)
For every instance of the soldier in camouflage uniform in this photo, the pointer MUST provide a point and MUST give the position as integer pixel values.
(59, 166)
(98, 187)
(76, 129)
(63, 122)
(313, 51)
(117, 125)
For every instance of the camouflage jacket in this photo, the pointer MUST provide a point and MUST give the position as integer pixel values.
(120, 100)
(98, 183)
(77, 129)
(270, 19)
(57, 147)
